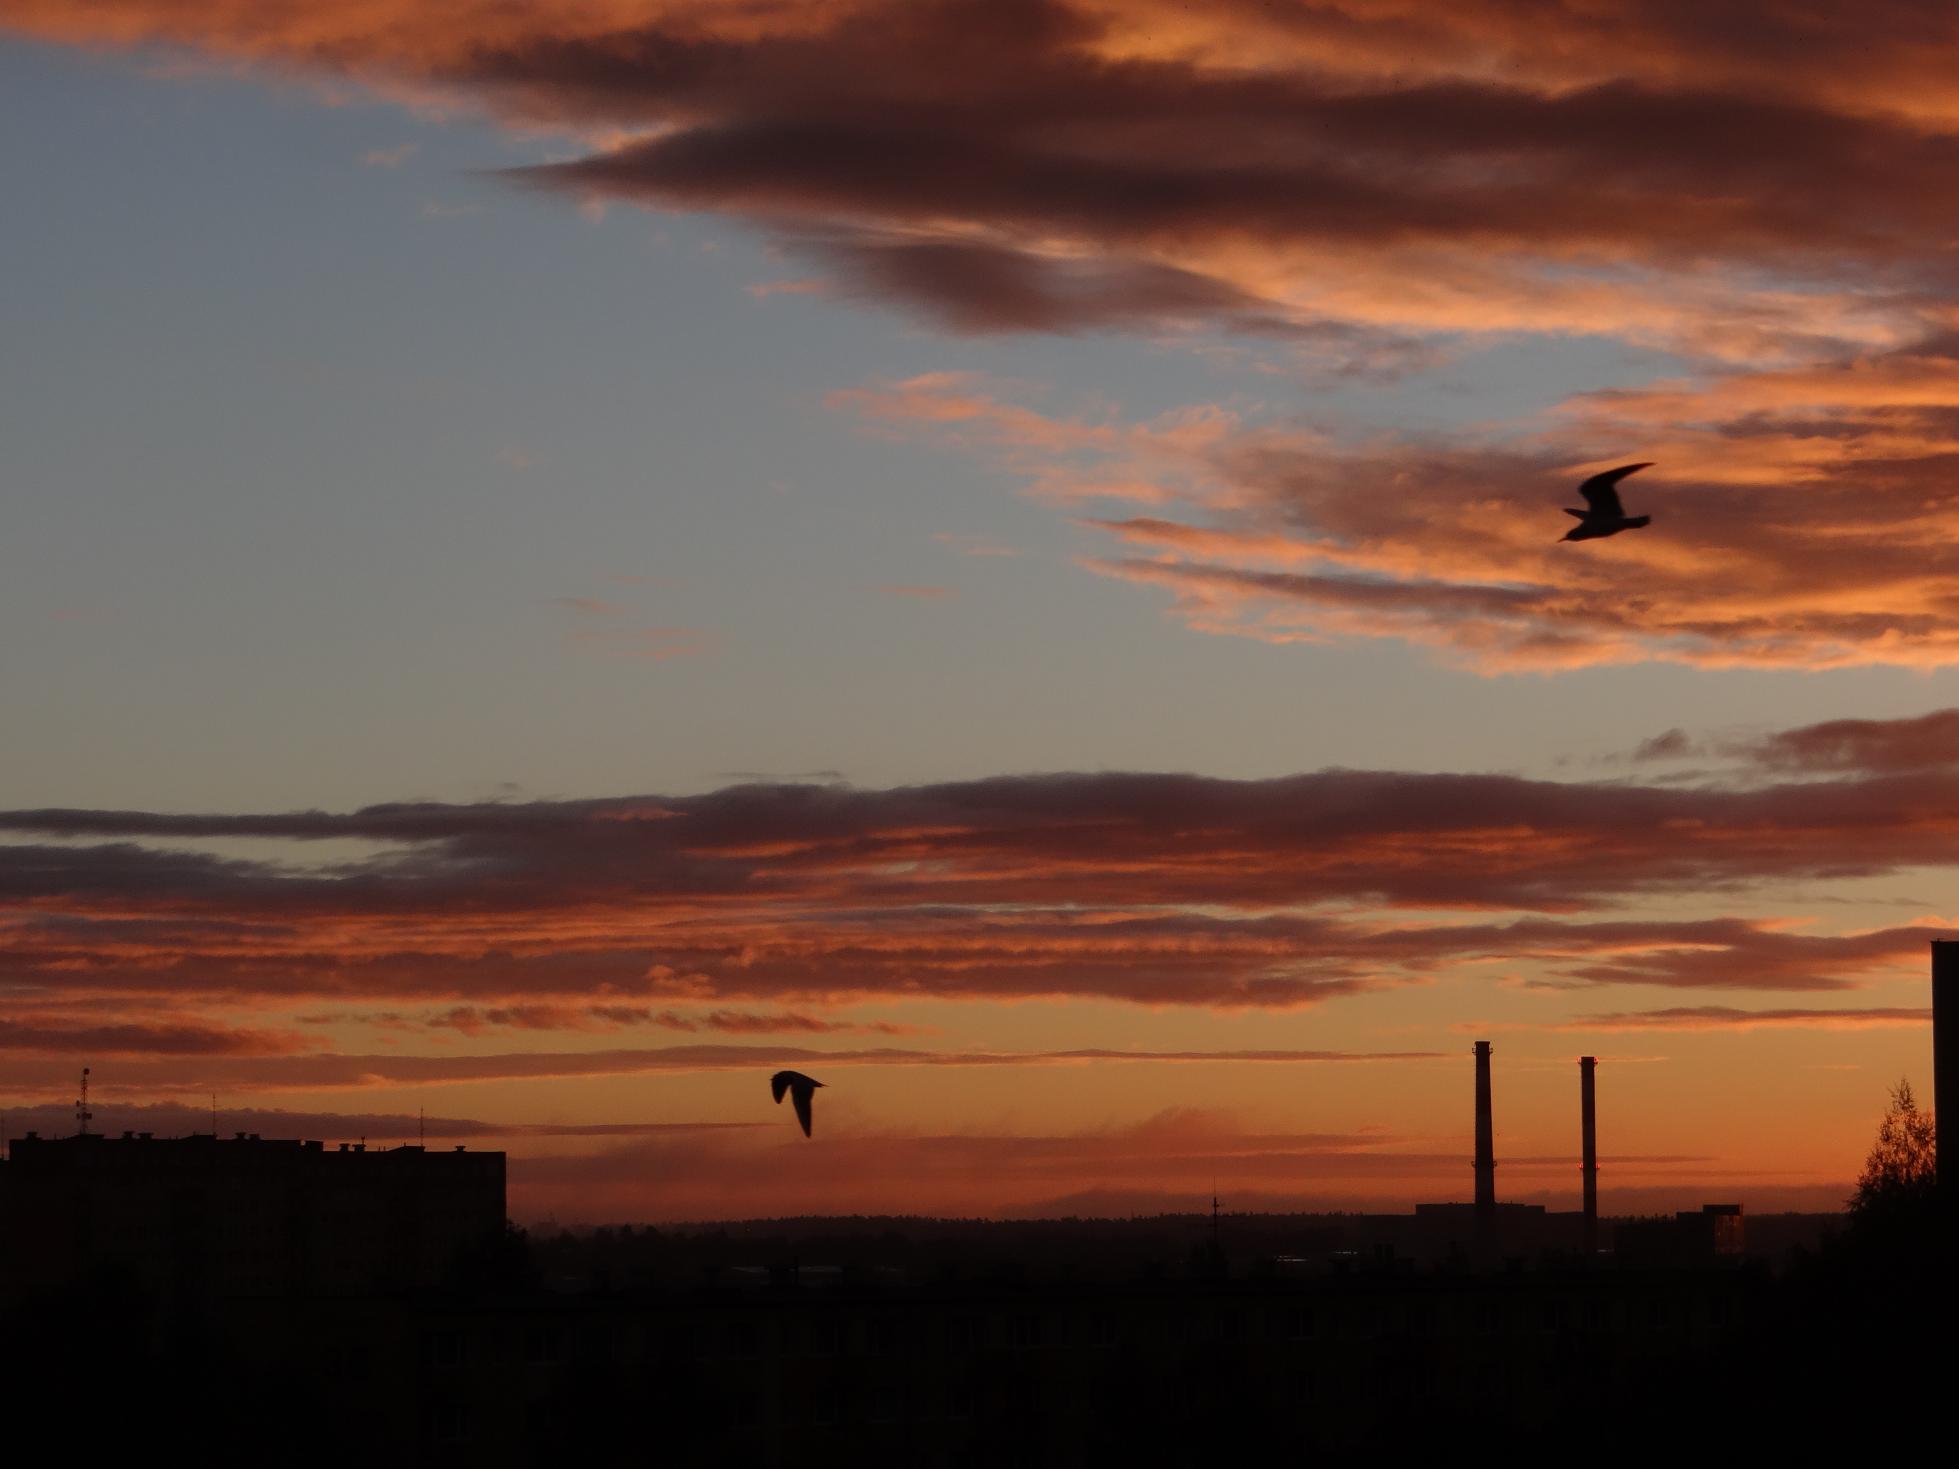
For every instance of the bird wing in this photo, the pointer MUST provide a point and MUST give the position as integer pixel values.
(805, 1094)
(779, 1083)
(1601, 491)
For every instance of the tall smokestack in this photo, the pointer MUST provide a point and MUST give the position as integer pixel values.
(1588, 1122)
(1945, 1057)
(1485, 1143)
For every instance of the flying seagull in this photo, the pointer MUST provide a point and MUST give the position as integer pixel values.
(1603, 515)
(804, 1088)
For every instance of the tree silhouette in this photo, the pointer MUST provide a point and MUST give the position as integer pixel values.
(1898, 1177)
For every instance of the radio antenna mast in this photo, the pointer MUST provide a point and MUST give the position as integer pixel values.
(82, 1115)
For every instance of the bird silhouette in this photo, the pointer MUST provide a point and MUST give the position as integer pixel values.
(804, 1090)
(1603, 515)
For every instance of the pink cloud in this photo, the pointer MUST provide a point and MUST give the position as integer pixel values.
(646, 644)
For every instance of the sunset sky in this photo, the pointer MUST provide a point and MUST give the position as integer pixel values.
(560, 556)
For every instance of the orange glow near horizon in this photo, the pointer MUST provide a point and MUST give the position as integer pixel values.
(1052, 992)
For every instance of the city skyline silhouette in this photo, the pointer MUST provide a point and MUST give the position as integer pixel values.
(1064, 567)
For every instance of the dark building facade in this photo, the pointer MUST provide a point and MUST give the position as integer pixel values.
(1713, 1233)
(1041, 1374)
(201, 1219)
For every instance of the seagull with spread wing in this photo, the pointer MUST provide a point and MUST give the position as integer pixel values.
(802, 1087)
(1603, 515)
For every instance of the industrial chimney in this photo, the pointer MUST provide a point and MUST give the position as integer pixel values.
(1485, 1144)
(1588, 1122)
(1945, 1055)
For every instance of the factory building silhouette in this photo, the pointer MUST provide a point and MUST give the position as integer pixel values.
(1488, 1232)
(271, 1263)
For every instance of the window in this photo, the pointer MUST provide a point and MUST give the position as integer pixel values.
(448, 1422)
(541, 1346)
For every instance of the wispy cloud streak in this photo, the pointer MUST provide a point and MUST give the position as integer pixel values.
(1722, 1017)
(332, 1071)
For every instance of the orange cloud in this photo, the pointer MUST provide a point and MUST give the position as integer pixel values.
(1721, 1017)
(1791, 529)
(692, 911)
(58, 1034)
(474, 1020)
(1370, 167)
